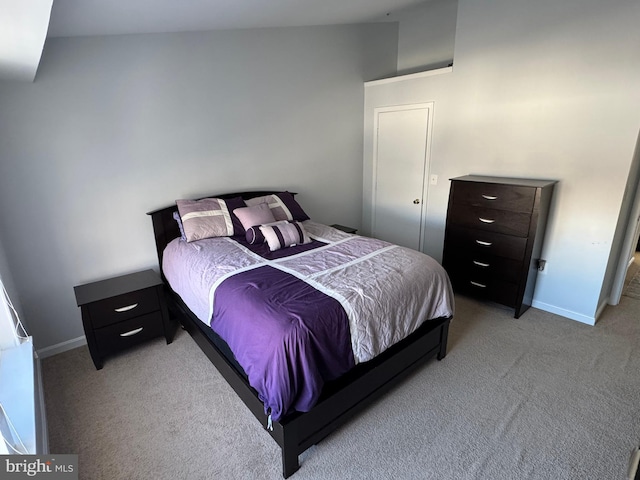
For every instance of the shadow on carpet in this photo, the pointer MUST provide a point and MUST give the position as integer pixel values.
(632, 289)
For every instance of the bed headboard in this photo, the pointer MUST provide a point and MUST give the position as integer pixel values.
(165, 228)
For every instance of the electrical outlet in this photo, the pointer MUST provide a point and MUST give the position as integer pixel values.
(433, 180)
(542, 266)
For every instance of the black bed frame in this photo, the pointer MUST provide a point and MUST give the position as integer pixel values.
(341, 399)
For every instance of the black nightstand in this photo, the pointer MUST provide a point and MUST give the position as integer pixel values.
(123, 311)
(345, 229)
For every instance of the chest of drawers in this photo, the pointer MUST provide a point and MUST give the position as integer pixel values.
(120, 312)
(493, 237)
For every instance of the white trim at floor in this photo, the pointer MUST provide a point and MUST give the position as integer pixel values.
(62, 347)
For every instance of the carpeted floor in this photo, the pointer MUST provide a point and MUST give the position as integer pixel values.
(632, 280)
(541, 397)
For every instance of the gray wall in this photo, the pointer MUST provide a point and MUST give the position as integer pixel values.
(427, 36)
(117, 126)
(540, 89)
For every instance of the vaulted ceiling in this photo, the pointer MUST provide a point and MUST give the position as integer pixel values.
(25, 24)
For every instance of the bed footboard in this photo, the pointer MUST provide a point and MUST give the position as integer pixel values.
(342, 399)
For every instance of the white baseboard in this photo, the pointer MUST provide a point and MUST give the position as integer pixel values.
(62, 347)
(579, 317)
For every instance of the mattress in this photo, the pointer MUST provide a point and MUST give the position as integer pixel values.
(304, 315)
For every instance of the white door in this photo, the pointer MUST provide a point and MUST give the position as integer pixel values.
(401, 148)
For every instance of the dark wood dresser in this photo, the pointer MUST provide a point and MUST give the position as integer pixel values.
(493, 237)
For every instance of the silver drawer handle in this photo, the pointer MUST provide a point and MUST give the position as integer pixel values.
(480, 264)
(489, 197)
(132, 332)
(476, 284)
(485, 220)
(484, 244)
(127, 308)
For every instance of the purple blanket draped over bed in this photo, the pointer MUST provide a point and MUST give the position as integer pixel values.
(289, 337)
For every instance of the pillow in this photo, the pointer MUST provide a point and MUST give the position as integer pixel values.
(210, 217)
(284, 235)
(256, 215)
(283, 206)
(255, 236)
(176, 217)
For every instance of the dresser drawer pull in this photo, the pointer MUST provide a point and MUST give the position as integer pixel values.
(489, 197)
(476, 284)
(485, 220)
(132, 332)
(484, 244)
(127, 308)
(480, 264)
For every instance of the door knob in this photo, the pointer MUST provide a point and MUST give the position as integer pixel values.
(416, 201)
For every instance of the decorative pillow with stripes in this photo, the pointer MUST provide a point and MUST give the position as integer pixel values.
(210, 217)
(254, 234)
(282, 205)
(284, 235)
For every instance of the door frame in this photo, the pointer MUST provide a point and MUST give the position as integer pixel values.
(429, 107)
(632, 232)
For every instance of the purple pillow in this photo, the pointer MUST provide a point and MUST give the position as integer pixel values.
(210, 217)
(283, 206)
(176, 217)
(255, 236)
(255, 215)
(294, 207)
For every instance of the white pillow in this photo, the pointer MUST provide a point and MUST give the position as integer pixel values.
(284, 235)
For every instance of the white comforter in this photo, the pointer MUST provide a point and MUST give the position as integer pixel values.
(386, 290)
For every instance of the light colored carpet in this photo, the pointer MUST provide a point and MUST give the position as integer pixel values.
(541, 397)
(632, 280)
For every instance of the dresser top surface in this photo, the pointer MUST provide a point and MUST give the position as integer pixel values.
(525, 182)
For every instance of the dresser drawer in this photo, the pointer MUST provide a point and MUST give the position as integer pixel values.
(484, 267)
(491, 220)
(128, 332)
(496, 196)
(122, 307)
(487, 288)
(467, 240)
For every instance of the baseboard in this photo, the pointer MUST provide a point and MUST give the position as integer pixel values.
(579, 317)
(62, 347)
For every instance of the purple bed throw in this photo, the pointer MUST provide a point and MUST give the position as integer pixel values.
(289, 337)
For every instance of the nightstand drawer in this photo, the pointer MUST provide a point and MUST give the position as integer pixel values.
(125, 306)
(491, 195)
(128, 333)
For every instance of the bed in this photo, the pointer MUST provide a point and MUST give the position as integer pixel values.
(332, 354)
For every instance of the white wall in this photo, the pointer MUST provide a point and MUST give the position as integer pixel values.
(23, 30)
(427, 35)
(540, 89)
(114, 127)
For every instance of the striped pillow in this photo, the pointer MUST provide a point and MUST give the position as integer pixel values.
(254, 235)
(282, 205)
(284, 235)
(210, 217)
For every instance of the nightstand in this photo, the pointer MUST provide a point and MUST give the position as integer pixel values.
(123, 311)
(345, 229)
